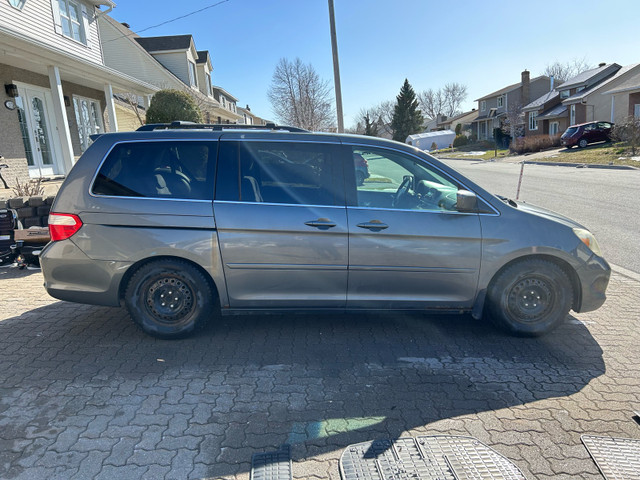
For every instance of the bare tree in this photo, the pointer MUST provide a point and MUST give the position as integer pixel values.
(444, 101)
(299, 97)
(564, 71)
(513, 122)
(133, 102)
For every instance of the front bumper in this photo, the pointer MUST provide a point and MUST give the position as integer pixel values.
(594, 278)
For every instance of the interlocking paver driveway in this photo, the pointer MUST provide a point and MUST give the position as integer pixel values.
(84, 394)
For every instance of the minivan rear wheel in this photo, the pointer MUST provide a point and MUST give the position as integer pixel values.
(530, 297)
(169, 298)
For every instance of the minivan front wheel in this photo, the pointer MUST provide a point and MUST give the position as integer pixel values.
(530, 297)
(582, 143)
(169, 298)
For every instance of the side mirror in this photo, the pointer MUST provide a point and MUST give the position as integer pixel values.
(466, 201)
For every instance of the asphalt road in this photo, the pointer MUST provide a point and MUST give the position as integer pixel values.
(606, 201)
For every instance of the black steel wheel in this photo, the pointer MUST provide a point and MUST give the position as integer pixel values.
(169, 298)
(530, 297)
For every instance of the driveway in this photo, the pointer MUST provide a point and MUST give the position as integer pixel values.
(84, 394)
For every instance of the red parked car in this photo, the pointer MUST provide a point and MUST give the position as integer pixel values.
(586, 133)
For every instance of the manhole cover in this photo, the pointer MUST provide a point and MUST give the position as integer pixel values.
(439, 457)
(617, 458)
(272, 465)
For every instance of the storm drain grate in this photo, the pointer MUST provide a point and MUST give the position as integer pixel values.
(617, 458)
(439, 457)
(272, 465)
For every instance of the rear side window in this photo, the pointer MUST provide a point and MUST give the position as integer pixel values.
(174, 169)
(280, 172)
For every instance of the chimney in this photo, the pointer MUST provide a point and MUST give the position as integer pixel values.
(124, 24)
(248, 107)
(601, 64)
(526, 88)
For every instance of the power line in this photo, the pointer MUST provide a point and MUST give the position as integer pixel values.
(183, 16)
(167, 21)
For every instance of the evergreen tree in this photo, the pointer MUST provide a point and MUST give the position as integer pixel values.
(407, 118)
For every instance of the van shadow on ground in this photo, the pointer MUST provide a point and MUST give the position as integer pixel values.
(248, 384)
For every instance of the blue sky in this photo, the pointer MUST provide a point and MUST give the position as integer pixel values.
(483, 44)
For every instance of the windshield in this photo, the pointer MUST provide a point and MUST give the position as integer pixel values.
(570, 131)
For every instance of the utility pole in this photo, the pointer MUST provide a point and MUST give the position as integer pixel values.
(336, 68)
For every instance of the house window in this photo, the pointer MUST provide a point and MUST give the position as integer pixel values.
(533, 122)
(564, 94)
(572, 115)
(17, 3)
(579, 89)
(88, 119)
(192, 74)
(501, 101)
(483, 105)
(553, 128)
(636, 110)
(71, 20)
(208, 79)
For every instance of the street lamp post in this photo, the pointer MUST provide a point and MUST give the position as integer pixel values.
(336, 68)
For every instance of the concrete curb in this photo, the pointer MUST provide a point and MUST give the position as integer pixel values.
(626, 272)
(552, 164)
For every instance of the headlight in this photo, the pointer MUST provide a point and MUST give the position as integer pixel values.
(588, 239)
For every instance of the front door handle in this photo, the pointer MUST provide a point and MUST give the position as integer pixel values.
(321, 224)
(373, 225)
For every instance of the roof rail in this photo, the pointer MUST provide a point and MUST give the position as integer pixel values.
(180, 125)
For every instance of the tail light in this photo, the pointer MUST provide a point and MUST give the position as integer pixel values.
(63, 225)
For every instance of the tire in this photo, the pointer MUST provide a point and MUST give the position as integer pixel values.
(530, 297)
(149, 287)
(582, 143)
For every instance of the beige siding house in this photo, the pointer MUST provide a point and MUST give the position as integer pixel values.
(57, 89)
(625, 98)
(494, 107)
(591, 105)
(166, 62)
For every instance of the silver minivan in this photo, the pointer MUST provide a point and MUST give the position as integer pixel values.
(180, 222)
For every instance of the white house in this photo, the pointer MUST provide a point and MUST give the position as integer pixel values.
(56, 89)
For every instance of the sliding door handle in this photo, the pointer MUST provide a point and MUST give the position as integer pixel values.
(373, 225)
(321, 224)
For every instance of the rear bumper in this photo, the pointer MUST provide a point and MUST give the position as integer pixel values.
(72, 276)
(594, 279)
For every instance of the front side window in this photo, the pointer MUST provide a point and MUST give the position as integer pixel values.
(533, 120)
(388, 179)
(274, 172)
(71, 20)
(172, 169)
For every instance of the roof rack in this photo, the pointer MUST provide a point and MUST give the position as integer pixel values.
(180, 125)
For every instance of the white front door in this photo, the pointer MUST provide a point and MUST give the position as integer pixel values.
(38, 129)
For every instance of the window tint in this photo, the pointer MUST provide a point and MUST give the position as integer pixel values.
(273, 172)
(387, 179)
(158, 170)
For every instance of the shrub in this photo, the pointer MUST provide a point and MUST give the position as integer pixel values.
(628, 131)
(173, 105)
(434, 146)
(534, 143)
(460, 140)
